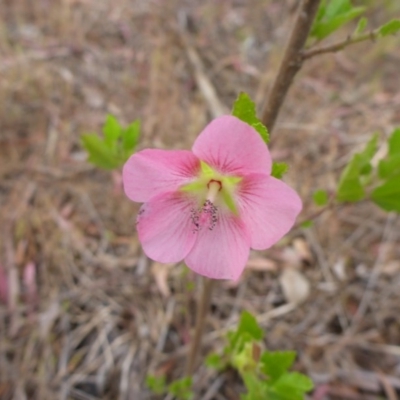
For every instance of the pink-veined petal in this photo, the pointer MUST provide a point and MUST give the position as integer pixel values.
(268, 207)
(233, 147)
(221, 253)
(165, 228)
(149, 173)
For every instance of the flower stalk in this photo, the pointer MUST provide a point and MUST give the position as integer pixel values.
(202, 311)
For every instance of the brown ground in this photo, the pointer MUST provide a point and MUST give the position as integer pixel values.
(88, 315)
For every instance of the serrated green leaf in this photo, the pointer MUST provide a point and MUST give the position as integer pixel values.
(320, 197)
(390, 27)
(362, 24)
(245, 109)
(350, 187)
(130, 137)
(275, 363)
(325, 27)
(248, 324)
(387, 195)
(112, 131)
(247, 332)
(279, 169)
(99, 153)
(292, 386)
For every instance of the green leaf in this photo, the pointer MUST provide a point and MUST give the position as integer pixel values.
(182, 388)
(387, 195)
(337, 7)
(215, 361)
(390, 27)
(307, 224)
(248, 329)
(112, 131)
(275, 363)
(362, 24)
(292, 386)
(130, 137)
(390, 166)
(245, 109)
(321, 11)
(324, 28)
(394, 143)
(156, 384)
(279, 169)
(99, 153)
(257, 389)
(350, 186)
(320, 197)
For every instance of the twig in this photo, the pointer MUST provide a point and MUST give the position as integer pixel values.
(372, 35)
(202, 310)
(291, 63)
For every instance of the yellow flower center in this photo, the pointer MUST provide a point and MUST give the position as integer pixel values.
(214, 188)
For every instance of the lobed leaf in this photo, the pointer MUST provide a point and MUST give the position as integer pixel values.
(112, 131)
(130, 137)
(99, 153)
(245, 109)
(291, 386)
(279, 169)
(275, 363)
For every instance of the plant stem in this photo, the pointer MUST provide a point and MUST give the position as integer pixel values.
(372, 35)
(202, 309)
(291, 63)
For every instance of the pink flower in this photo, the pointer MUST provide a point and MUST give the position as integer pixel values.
(211, 205)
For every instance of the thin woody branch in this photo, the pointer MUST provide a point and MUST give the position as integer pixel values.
(372, 35)
(291, 63)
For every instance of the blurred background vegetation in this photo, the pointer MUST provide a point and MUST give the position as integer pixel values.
(83, 313)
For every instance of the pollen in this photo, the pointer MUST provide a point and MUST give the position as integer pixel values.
(205, 217)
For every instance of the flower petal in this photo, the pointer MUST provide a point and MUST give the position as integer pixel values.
(268, 207)
(233, 147)
(149, 173)
(221, 253)
(165, 228)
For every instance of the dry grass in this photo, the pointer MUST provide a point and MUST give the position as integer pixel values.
(88, 315)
